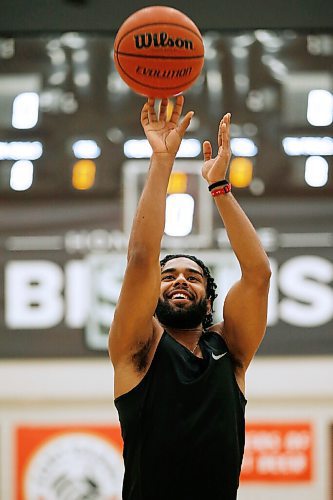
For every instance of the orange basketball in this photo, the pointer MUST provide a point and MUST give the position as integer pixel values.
(159, 52)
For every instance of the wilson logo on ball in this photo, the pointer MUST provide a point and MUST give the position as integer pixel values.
(162, 39)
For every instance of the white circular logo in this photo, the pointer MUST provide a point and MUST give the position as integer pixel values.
(75, 466)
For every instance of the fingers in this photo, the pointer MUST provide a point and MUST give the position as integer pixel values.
(177, 109)
(148, 113)
(163, 110)
(144, 115)
(185, 123)
(152, 117)
(223, 138)
(207, 150)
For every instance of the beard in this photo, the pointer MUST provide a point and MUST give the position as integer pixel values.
(183, 317)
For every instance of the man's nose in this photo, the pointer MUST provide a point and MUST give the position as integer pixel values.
(181, 279)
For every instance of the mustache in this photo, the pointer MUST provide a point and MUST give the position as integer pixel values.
(182, 316)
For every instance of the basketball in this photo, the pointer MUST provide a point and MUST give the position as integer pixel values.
(158, 52)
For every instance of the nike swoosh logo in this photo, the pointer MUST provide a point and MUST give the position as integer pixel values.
(218, 356)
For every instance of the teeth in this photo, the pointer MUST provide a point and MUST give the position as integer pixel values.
(179, 296)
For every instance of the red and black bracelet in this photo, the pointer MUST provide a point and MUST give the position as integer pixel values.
(220, 187)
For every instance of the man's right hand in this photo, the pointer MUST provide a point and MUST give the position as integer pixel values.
(164, 136)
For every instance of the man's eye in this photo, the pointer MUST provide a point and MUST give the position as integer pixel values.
(193, 278)
(167, 277)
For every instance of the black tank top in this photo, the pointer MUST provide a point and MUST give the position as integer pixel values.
(183, 425)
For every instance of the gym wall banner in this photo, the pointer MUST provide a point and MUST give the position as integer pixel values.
(68, 462)
(59, 286)
(278, 452)
(63, 307)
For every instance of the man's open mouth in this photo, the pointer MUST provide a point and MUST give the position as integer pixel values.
(180, 296)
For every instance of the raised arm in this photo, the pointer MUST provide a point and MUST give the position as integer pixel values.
(133, 326)
(245, 307)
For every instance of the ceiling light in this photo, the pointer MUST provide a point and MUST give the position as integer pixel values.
(239, 52)
(210, 53)
(82, 78)
(257, 187)
(57, 78)
(316, 171)
(137, 148)
(177, 183)
(140, 148)
(320, 108)
(308, 146)
(85, 148)
(68, 103)
(25, 110)
(241, 171)
(21, 175)
(242, 146)
(115, 135)
(116, 85)
(189, 148)
(73, 40)
(83, 175)
(271, 40)
(214, 80)
(244, 40)
(57, 56)
(80, 56)
(21, 150)
(179, 214)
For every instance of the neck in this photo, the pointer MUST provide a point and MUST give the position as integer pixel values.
(189, 337)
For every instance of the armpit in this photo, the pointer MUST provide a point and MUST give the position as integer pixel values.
(140, 358)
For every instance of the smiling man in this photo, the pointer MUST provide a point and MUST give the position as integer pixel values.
(179, 379)
(183, 301)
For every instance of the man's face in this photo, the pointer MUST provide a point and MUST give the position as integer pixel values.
(182, 302)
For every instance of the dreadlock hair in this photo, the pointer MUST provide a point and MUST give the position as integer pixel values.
(211, 285)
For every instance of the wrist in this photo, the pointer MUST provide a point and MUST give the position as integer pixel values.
(165, 158)
(218, 184)
(216, 178)
(218, 188)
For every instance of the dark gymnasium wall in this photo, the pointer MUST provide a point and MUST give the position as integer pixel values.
(107, 15)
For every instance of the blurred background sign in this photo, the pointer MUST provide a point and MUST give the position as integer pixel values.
(68, 462)
(278, 452)
(61, 303)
